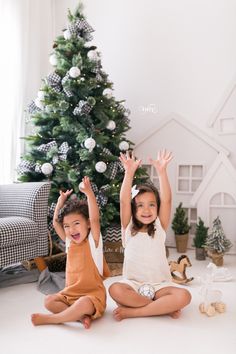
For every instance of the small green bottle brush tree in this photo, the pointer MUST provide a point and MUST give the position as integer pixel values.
(200, 234)
(181, 228)
(180, 224)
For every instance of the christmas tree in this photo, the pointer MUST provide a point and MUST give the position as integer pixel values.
(79, 127)
(216, 240)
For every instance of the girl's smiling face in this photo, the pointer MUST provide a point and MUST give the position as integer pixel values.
(146, 207)
(76, 227)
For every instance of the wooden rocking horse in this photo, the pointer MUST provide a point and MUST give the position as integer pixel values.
(180, 267)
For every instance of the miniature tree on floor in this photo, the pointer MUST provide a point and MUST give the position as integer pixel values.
(180, 224)
(199, 240)
(79, 126)
(216, 240)
(181, 228)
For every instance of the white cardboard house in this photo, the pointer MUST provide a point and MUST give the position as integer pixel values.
(222, 122)
(201, 175)
(217, 196)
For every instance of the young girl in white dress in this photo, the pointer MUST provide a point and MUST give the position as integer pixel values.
(144, 219)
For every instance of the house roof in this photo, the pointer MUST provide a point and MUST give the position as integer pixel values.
(188, 126)
(221, 159)
(225, 98)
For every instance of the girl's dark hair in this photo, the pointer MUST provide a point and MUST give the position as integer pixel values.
(137, 225)
(74, 206)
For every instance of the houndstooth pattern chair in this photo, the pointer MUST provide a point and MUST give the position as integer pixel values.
(23, 221)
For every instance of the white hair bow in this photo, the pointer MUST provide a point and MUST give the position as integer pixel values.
(134, 191)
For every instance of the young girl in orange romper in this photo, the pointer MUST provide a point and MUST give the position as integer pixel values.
(84, 296)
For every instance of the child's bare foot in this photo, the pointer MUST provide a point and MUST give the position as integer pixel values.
(175, 314)
(120, 313)
(86, 322)
(40, 319)
(123, 312)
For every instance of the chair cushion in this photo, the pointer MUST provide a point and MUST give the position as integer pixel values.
(18, 253)
(17, 230)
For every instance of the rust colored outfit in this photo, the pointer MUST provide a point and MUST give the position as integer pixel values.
(83, 278)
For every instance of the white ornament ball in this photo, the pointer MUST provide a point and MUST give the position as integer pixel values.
(81, 186)
(100, 167)
(111, 125)
(41, 95)
(53, 59)
(47, 168)
(67, 34)
(90, 144)
(124, 146)
(93, 55)
(39, 103)
(108, 93)
(74, 72)
(147, 290)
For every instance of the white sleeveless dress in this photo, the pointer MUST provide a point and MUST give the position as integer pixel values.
(145, 259)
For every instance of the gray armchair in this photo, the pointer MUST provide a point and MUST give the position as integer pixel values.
(23, 221)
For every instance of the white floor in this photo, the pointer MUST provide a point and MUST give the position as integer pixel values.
(192, 333)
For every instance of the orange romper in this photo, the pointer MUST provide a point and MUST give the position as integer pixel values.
(83, 278)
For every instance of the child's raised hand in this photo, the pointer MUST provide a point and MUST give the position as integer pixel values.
(163, 158)
(63, 197)
(85, 186)
(129, 162)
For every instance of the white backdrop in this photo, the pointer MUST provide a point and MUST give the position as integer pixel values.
(27, 30)
(163, 55)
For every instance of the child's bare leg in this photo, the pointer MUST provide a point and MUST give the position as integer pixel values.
(54, 304)
(125, 295)
(79, 311)
(169, 300)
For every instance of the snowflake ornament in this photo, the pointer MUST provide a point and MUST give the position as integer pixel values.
(147, 290)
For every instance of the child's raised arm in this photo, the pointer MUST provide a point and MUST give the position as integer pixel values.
(130, 165)
(160, 164)
(60, 203)
(94, 216)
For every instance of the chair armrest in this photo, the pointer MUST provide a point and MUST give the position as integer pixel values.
(29, 200)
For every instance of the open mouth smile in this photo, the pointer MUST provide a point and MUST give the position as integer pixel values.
(76, 237)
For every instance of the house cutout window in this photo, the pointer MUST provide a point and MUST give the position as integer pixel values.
(189, 178)
(222, 200)
(153, 175)
(192, 219)
(227, 126)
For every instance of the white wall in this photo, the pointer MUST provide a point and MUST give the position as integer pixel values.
(39, 41)
(163, 55)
